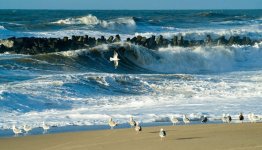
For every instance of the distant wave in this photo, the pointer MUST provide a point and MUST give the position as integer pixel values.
(114, 24)
(211, 14)
(2, 28)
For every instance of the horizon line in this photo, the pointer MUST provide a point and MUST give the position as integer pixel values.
(127, 9)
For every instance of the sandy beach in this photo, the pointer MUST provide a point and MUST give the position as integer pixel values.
(245, 136)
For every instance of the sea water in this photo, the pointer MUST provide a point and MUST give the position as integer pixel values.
(82, 88)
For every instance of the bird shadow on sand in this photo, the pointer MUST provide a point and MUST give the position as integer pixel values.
(188, 138)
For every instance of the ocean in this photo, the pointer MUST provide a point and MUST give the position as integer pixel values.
(79, 88)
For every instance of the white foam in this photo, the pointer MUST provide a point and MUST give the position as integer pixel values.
(88, 20)
(118, 24)
(253, 31)
(2, 28)
(166, 95)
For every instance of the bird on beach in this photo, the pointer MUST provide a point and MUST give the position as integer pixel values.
(132, 122)
(229, 118)
(115, 59)
(162, 134)
(204, 119)
(254, 118)
(27, 129)
(16, 130)
(241, 117)
(224, 118)
(174, 120)
(45, 127)
(111, 123)
(186, 119)
(138, 128)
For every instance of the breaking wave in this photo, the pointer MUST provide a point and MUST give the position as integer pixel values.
(114, 24)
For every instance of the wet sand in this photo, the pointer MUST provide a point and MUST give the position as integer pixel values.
(245, 136)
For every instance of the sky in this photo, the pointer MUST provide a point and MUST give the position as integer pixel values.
(130, 4)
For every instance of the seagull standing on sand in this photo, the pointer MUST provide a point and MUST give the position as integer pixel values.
(111, 123)
(27, 129)
(138, 128)
(185, 119)
(45, 127)
(204, 119)
(132, 122)
(16, 130)
(229, 118)
(255, 118)
(250, 117)
(224, 118)
(241, 117)
(162, 133)
(115, 59)
(174, 120)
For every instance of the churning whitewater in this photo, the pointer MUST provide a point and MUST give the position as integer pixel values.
(82, 87)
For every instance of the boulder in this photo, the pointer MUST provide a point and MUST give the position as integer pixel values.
(110, 39)
(221, 40)
(208, 40)
(180, 40)
(117, 38)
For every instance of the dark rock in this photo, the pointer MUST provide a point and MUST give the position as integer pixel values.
(151, 42)
(174, 41)
(117, 38)
(208, 40)
(101, 40)
(159, 41)
(128, 40)
(234, 40)
(180, 40)
(138, 39)
(65, 39)
(2, 48)
(110, 39)
(246, 41)
(221, 40)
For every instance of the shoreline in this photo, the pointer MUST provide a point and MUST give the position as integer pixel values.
(204, 136)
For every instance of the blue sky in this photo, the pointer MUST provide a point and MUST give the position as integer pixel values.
(130, 4)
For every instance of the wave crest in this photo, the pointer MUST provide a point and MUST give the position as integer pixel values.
(113, 24)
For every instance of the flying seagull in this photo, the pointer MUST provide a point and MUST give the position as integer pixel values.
(115, 59)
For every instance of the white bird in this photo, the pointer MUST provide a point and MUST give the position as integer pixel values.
(111, 123)
(185, 119)
(27, 129)
(115, 59)
(132, 122)
(229, 118)
(138, 128)
(255, 118)
(249, 116)
(16, 130)
(174, 120)
(224, 118)
(45, 127)
(162, 133)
